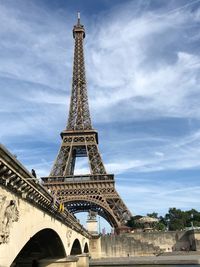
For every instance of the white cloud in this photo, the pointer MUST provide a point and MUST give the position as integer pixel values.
(33, 46)
(178, 153)
(159, 197)
(136, 71)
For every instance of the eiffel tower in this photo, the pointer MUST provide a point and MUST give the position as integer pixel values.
(95, 191)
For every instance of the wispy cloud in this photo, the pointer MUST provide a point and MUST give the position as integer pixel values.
(157, 73)
(25, 41)
(159, 197)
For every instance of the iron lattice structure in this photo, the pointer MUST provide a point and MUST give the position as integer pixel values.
(95, 191)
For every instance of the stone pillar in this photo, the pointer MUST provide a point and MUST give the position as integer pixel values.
(95, 248)
(65, 262)
(83, 260)
(194, 239)
(92, 223)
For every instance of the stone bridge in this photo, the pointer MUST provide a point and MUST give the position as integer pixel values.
(33, 225)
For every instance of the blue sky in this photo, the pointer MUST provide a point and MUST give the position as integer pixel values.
(143, 72)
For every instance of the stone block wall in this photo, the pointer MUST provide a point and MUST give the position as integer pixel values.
(145, 243)
(166, 241)
(194, 237)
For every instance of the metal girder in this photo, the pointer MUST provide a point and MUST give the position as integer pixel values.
(73, 146)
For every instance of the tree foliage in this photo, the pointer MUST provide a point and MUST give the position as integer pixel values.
(175, 219)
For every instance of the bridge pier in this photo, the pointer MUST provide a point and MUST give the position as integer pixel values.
(64, 262)
(81, 260)
(95, 247)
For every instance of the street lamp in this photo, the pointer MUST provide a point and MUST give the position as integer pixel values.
(168, 220)
(192, 225)
(99, 225)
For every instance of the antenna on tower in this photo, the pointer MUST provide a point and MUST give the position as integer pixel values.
(79, 17)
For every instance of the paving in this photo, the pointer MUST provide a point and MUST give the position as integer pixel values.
(162, 259)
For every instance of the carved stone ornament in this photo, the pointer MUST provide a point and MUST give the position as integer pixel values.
(68, 235)
(8, 214)
(92, 215)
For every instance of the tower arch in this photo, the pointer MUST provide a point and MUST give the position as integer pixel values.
(78, 205)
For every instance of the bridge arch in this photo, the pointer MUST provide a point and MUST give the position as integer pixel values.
(84, 205)
(76, 248)
(86, 248)
(44, 244)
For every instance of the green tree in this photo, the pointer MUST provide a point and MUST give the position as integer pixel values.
(133, 222)
(176, 219)
(193, 218)
(160, 226)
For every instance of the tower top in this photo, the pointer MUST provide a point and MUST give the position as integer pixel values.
(79, 115)
(79, 17)
(78, 28)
